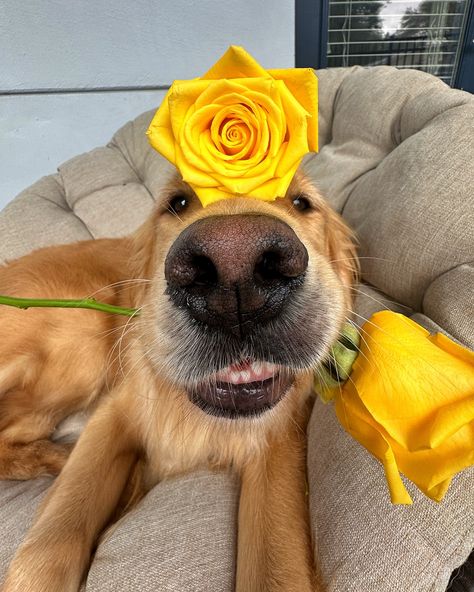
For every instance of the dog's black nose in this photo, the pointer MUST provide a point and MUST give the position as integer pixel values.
(235, 271)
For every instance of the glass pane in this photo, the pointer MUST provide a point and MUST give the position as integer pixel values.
(426, 34)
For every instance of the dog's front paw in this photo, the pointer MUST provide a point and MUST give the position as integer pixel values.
(42, 570)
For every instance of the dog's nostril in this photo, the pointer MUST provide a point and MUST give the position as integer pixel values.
(268, 267)
(206, 272)
(281, 264)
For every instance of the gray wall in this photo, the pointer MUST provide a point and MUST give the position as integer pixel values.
(72, 72)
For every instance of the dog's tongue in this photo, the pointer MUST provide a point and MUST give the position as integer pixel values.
(247, 371)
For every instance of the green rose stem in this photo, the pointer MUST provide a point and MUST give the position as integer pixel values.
(90, 303)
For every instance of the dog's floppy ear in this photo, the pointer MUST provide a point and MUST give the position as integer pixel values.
(142, 247)
(341, 247)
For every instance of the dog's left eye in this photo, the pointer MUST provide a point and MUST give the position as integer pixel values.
(301, 203)
(178, 203)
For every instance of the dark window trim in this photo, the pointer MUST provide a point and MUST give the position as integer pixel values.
(311, 34)
(465, 74)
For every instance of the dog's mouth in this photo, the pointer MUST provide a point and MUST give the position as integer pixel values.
(246, 388)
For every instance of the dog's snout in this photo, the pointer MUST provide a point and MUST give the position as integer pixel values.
(235, 271)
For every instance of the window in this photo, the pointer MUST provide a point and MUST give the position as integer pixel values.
(435, 36)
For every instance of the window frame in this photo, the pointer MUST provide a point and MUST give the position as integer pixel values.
(465, 73)
(311, 36)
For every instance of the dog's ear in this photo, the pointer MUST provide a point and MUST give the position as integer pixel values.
(341, 244)
(342, 248)
(143, 244)
(140, 259)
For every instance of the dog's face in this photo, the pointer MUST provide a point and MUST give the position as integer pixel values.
(246, 297)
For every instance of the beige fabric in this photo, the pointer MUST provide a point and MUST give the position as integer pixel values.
(363, 543)
(180, 538)
(39, 217)
(18, 503)
(449, 301)
(396, 159)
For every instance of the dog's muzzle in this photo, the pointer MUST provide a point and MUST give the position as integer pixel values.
(234, 274)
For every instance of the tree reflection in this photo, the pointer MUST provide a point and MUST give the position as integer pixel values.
(352, 25)
(429, 16)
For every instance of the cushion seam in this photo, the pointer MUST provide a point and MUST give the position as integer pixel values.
(469, 263)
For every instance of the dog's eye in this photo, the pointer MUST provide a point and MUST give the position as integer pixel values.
(178, 203)
(301, 203)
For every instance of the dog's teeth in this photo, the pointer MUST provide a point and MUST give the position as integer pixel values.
(254, 372)
(245, 376)
(235, 377)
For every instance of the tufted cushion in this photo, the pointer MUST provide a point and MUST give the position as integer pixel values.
(396, 160)
(398, 163)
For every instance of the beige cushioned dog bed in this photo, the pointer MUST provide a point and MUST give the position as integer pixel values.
(397, 159)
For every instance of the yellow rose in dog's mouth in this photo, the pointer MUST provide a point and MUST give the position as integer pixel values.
(240, 129)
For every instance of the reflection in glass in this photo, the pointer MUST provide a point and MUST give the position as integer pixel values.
(424, 35)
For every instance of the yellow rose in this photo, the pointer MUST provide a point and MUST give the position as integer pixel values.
(410, 401)
(239, 129)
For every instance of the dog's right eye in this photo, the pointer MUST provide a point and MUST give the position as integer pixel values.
(301, 203)
(178, 203)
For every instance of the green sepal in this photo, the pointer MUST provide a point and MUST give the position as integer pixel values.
(336, 369)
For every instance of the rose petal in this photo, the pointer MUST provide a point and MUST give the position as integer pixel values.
(303, 85)
(233, 167)
(247, 121)
(235, 63)
(296, 121)
(208, 196)
(182, 99)
(416, 392)
(191, 174)
(190, 138)
(159, 132)
(274, 188)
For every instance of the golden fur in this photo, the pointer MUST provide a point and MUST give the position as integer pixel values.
(144, 428)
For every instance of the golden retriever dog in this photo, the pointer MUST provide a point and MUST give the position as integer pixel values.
(239, 303)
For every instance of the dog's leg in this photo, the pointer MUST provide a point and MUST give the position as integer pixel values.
(274, 546)
(25, 450)
(21, 461)
(57, 549)
(28, 417)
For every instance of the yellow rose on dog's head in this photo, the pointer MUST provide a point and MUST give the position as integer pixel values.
(240, 129)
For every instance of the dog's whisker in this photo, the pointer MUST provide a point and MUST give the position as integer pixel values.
(120, 340)
(127, 328)
(360, 258)
(383, 303)
(122, 284)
